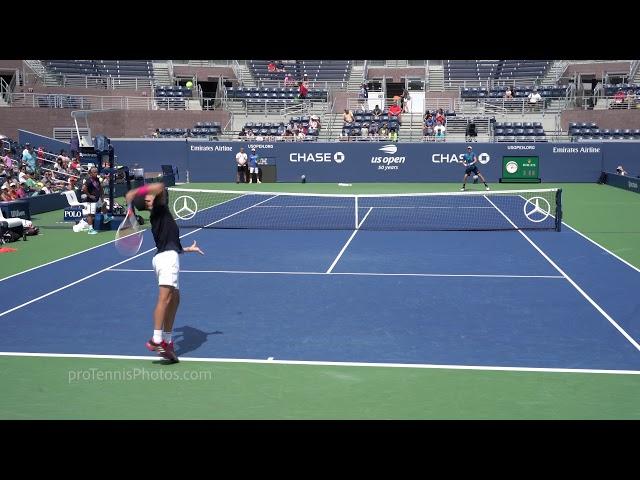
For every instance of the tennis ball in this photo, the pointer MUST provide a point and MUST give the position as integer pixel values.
(189, 84)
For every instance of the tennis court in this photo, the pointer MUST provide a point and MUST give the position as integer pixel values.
(338, 301)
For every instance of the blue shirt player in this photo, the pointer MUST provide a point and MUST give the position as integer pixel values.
(470, 163)
(253, 167)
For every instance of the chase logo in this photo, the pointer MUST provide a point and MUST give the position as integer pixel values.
(484, 158)
(389, 149)
(338, 157)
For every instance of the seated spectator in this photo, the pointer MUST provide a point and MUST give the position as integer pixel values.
(347, 117)
(508, 93)
(621, 171)
(430, 123)
(288, 80)
(156, 134)
(395, 111)
(384, 130)
(271, 67)
(534, 98)
(631, 98)
(5, 193)
(279, 66)
(376, 111)
(440, 131)
(374, 128)
(440, 117)
(393, 135)
(618, 98)
(364, 130)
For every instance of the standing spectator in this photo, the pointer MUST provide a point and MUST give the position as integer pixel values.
(363, 95)
(27, 157)
(347, 116)
(621, 171)
(406, 99)
(40, 158)
(241, 162)
(303, 90)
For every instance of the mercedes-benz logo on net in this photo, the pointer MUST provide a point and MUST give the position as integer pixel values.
(185, 207)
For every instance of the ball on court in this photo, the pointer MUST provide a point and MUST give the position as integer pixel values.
(189, 84)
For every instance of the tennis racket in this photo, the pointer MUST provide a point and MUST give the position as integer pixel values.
(129, 236)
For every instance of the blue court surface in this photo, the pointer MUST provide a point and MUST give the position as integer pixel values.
(531, 299)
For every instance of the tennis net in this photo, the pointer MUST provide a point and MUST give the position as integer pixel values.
(489, 210)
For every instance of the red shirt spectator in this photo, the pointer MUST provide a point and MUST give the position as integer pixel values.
(271, 67)
(394, 110)
(303, 89)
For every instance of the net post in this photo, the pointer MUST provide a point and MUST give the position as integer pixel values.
(356, 212)
(558, 210)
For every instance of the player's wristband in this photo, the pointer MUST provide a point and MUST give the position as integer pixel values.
(143, 190)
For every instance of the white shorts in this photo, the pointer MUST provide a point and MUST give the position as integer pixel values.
(167, 266)
(253, 169)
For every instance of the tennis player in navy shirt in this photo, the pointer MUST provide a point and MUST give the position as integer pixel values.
(166, 263)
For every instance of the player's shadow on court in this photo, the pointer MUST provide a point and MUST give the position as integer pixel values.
(187, 339)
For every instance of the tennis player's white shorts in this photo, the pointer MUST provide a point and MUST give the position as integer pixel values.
(167, 266)
(253, 169)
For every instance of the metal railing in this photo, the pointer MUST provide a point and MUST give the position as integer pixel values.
(97, 102)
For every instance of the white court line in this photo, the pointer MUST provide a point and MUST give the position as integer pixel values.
(119, 263)
(344, 248)
(349, 273)
(329, 364)
(92, 248)
(603, 248)
(575, 285)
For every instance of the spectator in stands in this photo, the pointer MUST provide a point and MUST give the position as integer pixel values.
(508, 93)
(363, 94)
(471, 132)
(440, 131)
(374, 128)
(156, 134)
(271, 67)
(27, 157)
(347, 117)
(376, 112)
(74, 165)
(440, 117)
(279, 66)
(250, 133)
(20, 191)
(621, 171)
(313, 125)
(429, 125)
(395, 111)
(406, 99)
(618, 98)
(303, 90)
(631, 98)
(5, 193)
(384, 130)
(40, 158)
(288, 80)
(364, 130)
(8, 162)
(393, 135)
(534, 98)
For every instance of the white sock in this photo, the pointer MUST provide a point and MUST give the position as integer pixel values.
(157, 336)
(166, 336)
